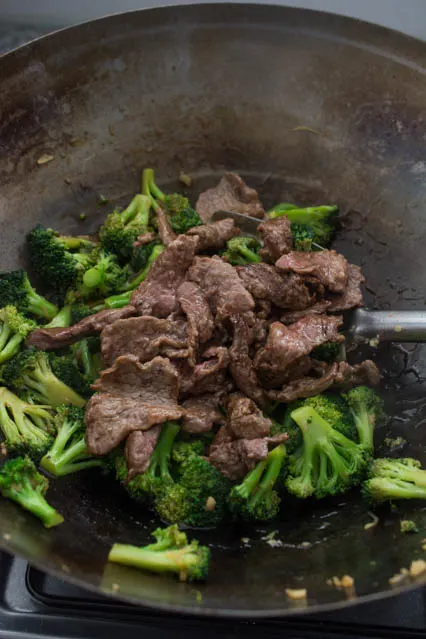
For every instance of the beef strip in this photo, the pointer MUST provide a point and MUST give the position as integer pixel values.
(111, 418)
(145, 238)
(277, 238)
(165, 231)
(200, 319)
(245, 419)
(157, 293)
(241, 365)
(155, 382)
(139, 447)
(208, 376)
(264, 282)
(329, 267)
(201, 414)
(222, 287)
(290, 317)
(212, 237)
(365, 373)
(352, 295)
(145, 337)
(48, 339)
(231, 194)
(286, 346)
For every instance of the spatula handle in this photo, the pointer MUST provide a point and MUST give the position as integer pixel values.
(388, 326)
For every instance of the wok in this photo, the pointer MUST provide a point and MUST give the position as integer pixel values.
(306, 106)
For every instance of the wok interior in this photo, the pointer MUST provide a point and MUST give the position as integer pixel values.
(307, 107)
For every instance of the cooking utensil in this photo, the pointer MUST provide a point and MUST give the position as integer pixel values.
(362, 325)
(305, 106)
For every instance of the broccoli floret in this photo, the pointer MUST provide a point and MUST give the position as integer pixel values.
(198, 499)
(137, 488)
(68, 453)
(320, 219)
(303, 237)
(367, 410)
(14, 329)
(327, 463)
(66, 369)
(87, 358)
(334, 410)
(79, 312)
(395, 479)
(122, 228)
(255, 498)
(30, 370)
(20, 481)
(16, 290)
(327, 352)
(183, 450)
(57, 259)
(171, 553)
(242, 250)
(26, 427)
(408, 526)
(184, 220)
(106, 276)
(141, 255)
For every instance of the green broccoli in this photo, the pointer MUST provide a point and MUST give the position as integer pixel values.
(14, 329)
(141, 255)
(255, 498)
(328, 462)
(391, 479)
(68, 453)
(171, 553)
(303, 237)
(183, 450)
(62, 319)
(106, 276)
(184, 220)
(367, 410)
(16, 290)
(67, 370)
(327, 352)
(320, 219)
(408, 526)
(198, 498)
(87, 358)
(242, 250)
(57, 259)
(20, 482)
(122, 228)
(31, 371)
(26, 427)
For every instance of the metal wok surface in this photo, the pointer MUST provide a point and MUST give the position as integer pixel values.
(306, 106)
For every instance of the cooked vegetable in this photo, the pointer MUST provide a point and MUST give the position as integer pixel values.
(321, 220)
(242, 250)
(395, 479)
(16, 290)
(14, 328)
(367, 410)
(122, 228)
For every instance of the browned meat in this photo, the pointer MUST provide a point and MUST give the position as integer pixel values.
(277, 238)
(222, 287)
(145, 337)
(157, 293)
(201, 413)
(364, 373)
(241, 365)
(235, 458)
(214, 236)
(245, 419)
(145, 238)
(352, 295)
(329, 267)
(139, 448)
(155, 382)
(200, 319)
(285, 346)
(48, 339)
(165, 231)
(209, 376)
(231, 194)
(264, 282)
(111, 418)
(290, 317)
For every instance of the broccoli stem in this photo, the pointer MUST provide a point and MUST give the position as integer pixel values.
(175, 561)
(274, 464)
(156, 251)
(50, 388)
(160, 458)
(383, 489)
(150, 188)
(61, 319)
(301, 215)
(251, 480)
(38, 305)
(9, 349)
(70, 461)
(9, 428)
(251, 256)
(364, 428)
(35, 503)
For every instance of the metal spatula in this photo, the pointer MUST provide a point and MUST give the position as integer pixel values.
(362, 325)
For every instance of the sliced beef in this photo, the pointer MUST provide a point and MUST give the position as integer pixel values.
(145, 238)
(208, 376)
(201, 414)
(145, 337)
(245, 419)
(290, 317)
(365, 373)
(200, 319)
(212, 237)
(111, 418)
(264, 282)
(155, 382)
(277, 238)
(231, 194)
(48, 339)
(287, 345)
(222, 287)
(352, 295)
(241, 365)
(165, 231)
(329, 267)
(157, 293)
(139, 448)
